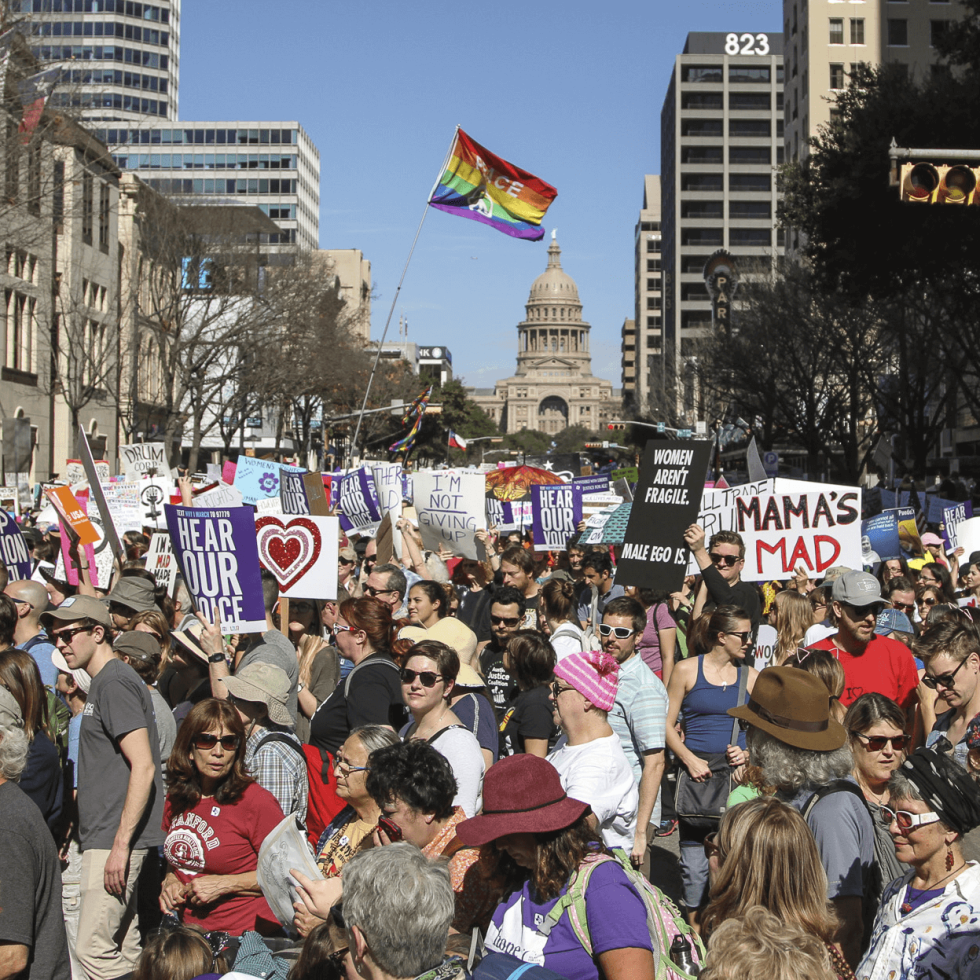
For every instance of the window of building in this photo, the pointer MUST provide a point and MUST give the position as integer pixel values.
(749, 182)
(653, 283)
(936, 30)
(693, 291)
(653, 265)
(19, 312)
(701, 182)
(653, 303)
(701, 127)
(749, 154)
(836, 30)
(653, 322)
(701, 73)
(703, 236)
(898, 32)
(88, 208)
(750, 236)
(701, 209)
(104, 216)
(702, 100)
(857, 30)
(741, 74)
(780, 74)
(696, 319)
(749, 127)
(702, 154)
(749, 100)
(836, 76)
(779, 154)
(749, 209)
(693, 263)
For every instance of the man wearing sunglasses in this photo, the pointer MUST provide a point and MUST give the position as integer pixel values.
(639, 716)
(120, 789)
(721, 565)
(872, 663)
(506, 613)
(388, 584)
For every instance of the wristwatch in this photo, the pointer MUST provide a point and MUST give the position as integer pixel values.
(216, 658)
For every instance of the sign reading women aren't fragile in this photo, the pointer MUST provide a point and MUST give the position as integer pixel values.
(219, 558)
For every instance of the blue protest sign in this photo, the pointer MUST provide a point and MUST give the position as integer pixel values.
(879, 538)
(13, 549)
(257, 479)
(219, 558)
(936, 507)
(555, 514)
(592, 484)
(500, 513)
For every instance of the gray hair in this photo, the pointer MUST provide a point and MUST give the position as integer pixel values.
(374, 737)
(14, 746)
(437, 568)
(901, 788)
(396, 580)
(789, 769)
(403, 904)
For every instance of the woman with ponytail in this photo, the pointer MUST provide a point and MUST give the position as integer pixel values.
(703, 688)
(559, 619)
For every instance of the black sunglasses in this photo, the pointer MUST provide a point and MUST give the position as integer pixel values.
(374, 593)
(947, 680)
(557, 689)
(728, 561)
(208, 741)
(875, 743)
(504, 620)
(427, 677)
(743, 637)
(66, 636)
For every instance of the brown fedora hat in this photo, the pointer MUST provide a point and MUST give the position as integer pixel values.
(793, 706)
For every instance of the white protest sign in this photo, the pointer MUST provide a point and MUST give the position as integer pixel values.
(154, 494)
(8, 500)
(388, 483)
(765, 647)
(301, 551)
(968, 538)
(74, 472)
(123, 501)
(718, 511)
(144, 459)
(782, 531)
(223, 495)
(162, 562)
(269, 505)
(451, 505)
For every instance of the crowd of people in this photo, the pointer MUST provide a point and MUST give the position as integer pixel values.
(485, 758)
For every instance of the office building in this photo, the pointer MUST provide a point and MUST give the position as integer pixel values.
(121, 58)
(272, 165)
(721, 137)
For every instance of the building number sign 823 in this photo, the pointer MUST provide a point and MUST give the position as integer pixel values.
(747, 44)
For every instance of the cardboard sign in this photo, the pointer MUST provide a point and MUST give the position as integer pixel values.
(301, 552)
(257, 478)
(316, 494)
(953, 517)
(667, 500)
(271, 505)
(357, 502)
(765, 646)
(223, 495)
(383, 541)
(388, 486)
(628, 473)
(100, 555)
(782, 531)
(219, 559)
(718, 510)
(451, 505)
(9, 500)
(144, 459)
(14, 552)
(879, 539)
(74, 472)
(556, 512)
(968, 538)
(95, 481)
(292, 492)
(162, 562)
(72, 516)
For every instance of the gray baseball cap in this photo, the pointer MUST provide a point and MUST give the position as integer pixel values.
(10, 713)
(857, 589)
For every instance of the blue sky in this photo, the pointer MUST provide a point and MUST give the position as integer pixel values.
(571, 91)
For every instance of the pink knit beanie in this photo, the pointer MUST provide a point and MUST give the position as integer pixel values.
(594, 674)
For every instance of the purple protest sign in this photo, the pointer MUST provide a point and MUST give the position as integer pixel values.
(357, 501)
(292, 492)
(13, 549)
(598, 483)
(952, 518)
(556, 512)
(219, 559)
(500, 513)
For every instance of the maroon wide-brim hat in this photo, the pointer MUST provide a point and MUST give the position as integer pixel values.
(522, 794)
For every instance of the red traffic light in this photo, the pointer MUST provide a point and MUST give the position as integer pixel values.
(927, 183)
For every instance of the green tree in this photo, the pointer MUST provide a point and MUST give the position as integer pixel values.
(574, 438)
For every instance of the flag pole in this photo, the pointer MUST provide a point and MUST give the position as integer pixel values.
(394, 299)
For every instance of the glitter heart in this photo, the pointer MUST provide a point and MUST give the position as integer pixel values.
(288, 550)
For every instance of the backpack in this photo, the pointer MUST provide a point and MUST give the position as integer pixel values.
(402, 712)
(664, 920)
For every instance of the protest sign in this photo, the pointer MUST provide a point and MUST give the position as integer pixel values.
(95, 481)
(908, 531)
(765, 646)
(72, 516)
(594, 526)
(451, 505)
(357, 502)
(500, 513)
(953, 517)
(9, 500)
(213, 472)
(599, 483)
(879, 539)
(270, 505)
(555, 513)
(624, 489)
(383, 541)
(219, 558)
(302, 554)
(100, 555)
(782, 531)
(717, 511)
(316, 494)
(144, 459)
(667, 500)
(936, 507)
(13, 549)
(292, 492)
(968, 538)
(154, 493)
(614, 530)
(223, 495)
(123, 501)
(388, 486)
(629, 473)
(162, 562)
(74, 472)
(256, 478)
(228, 470)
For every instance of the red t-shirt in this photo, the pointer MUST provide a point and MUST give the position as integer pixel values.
(222, 839)
(886, 667)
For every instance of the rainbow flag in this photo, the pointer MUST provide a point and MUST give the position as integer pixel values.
(481, 186)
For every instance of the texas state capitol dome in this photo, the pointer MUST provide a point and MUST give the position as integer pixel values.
(553, 386)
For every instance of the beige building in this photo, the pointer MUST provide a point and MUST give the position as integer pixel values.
(553, 386)
(353, 272)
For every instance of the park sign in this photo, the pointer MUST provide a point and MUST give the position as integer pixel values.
(667, 500)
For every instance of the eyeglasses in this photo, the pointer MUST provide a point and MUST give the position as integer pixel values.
(944, 680)
(729, 561)
(340, 628)
(346, 768)
(620, 632)
(742, 637)
(505, 620)
(345, 561)
(906, 607)
(66, 636)
(428, 678)
(557, 689)
(711, 846)
(374, 593)
(862, 612)
(206, 740)
(926, 601)
(907, 820)
(875, 743)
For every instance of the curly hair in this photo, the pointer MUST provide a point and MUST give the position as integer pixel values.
(788, 769)
(183, 779)
(415, 773)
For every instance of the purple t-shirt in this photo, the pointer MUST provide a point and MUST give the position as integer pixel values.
(617, 920)
(658, 618)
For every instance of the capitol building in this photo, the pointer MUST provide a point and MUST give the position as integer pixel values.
(553, 386)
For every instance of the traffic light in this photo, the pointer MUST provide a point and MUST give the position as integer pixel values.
(593, 445)
(927, 183)
(616, 426)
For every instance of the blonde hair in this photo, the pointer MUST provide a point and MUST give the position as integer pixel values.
(825, 666)
(794, 616)
(179, 954)
(758, 944)
(769, 858)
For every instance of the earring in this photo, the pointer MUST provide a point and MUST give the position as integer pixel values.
(949, 858)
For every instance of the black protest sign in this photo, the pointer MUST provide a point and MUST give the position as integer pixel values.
(666, 502)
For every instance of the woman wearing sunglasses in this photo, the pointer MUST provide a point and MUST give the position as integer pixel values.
(876, 733)
(927, 921)
(215, 818)
(428, 678)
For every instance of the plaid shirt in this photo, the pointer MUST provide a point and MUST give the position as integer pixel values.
(279, 768)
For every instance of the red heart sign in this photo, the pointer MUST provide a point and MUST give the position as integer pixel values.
(288, 550)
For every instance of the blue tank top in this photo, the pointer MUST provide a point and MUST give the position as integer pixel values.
(707, 724)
